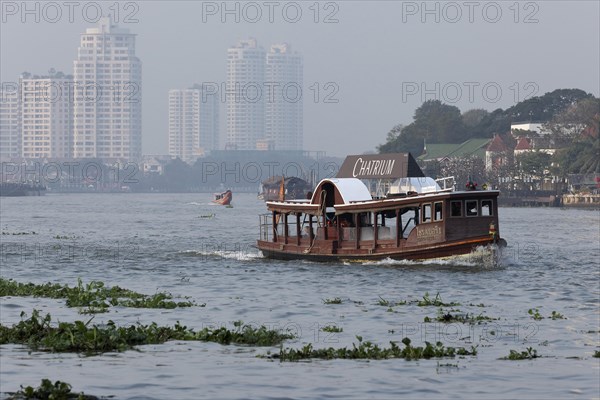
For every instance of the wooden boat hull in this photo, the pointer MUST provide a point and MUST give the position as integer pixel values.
(447, 249)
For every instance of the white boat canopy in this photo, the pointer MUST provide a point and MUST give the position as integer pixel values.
(340, 191)
(417, 185)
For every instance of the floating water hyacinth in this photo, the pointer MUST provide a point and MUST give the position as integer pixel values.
(38, 333)
(368, 350)
(94, 295)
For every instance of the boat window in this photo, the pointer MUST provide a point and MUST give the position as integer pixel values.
(471, 208)
(437, 211)
(456, 208)
(486, 208)
(426, 214)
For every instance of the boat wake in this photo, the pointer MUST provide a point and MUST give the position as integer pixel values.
(239, 255)
(195, 203)
(480, 257)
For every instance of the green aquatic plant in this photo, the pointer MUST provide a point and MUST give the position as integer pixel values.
(335, 300)
(529, 354)
(437, 301)
(370, 351)
(446, 365)
(49, 391)
(95, 296)
(556, 315)
(93, 310)
(383, 302)
(596, 354)
(38, 333)
(448, 317)
(332, 329)
(9, 287)
(535, 314)
(159, 300)
(386, 303)
(477, 305)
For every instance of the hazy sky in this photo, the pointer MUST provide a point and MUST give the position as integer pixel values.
(385, 57)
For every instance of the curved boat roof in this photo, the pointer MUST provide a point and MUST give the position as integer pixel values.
(347, 190)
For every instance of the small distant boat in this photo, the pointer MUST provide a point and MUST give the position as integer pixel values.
(223, 198)
(294, 188)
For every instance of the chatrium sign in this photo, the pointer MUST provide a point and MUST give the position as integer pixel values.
(380, 166)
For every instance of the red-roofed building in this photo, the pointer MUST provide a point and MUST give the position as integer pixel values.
(496, 153)
(523, 146)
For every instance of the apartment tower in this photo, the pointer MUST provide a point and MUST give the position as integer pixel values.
(108, 95)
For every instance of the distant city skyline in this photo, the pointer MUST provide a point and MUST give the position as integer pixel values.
(368, 65)
(93, 113)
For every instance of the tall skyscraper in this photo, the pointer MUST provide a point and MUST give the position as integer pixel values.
(46, 116)
(108, 99)
(10, 123)
(209, 119)
(245, 95)
(283, 107)
(193, 123)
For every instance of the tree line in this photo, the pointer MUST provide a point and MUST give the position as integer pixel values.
(570, 122)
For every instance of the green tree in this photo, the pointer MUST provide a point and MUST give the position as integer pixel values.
(473, 117)
(581, 157)
(576, 130)
(535, 164)
(400, 140)
(544, 108)
(433, 121)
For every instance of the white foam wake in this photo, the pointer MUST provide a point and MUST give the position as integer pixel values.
(239, 255)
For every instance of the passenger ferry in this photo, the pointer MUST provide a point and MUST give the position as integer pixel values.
(416, 219)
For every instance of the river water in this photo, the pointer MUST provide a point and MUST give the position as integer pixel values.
(182, 244)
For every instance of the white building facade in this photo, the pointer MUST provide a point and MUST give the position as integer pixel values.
(283, 107)
(10, 123)
(108, 94)
(46, 117)
(193, 123)
(245, 95)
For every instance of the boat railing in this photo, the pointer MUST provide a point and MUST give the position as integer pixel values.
(269, 232)
(447, 183)
(266, 226)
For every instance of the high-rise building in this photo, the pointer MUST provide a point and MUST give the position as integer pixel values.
(193, 123)
(283, 106)
(245, 95)
(10, 123)
(46, 116)
(209, 119)
(108, 99)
